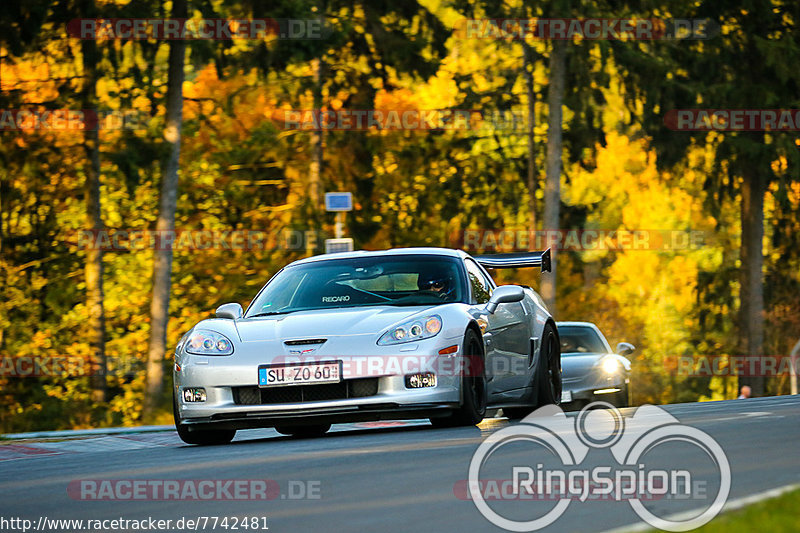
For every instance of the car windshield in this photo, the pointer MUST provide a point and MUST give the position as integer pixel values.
(577, 340)
(364, 281)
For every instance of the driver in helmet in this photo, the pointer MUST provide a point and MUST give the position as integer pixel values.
(437, 282)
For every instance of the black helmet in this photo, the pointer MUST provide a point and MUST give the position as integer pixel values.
(435, 281)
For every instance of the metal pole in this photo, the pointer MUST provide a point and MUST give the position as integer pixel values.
(794, 356)
(339, 227)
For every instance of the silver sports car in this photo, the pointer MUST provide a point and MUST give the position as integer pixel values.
(592, 372)
(358, 336)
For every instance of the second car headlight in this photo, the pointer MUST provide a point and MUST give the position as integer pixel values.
(413, 330)
(206, 342)
(610, 365)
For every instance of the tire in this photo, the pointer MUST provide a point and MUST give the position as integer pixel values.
(623, 398)
(201, 437)
(546, 382)
(550, 379)
(312, 430)
(473, 388)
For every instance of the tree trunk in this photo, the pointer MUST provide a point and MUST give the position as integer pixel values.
(552, 192)
(315, 172)
(751, 294)
(94, 255)
(3, 102)
(794, 355)
(162, 268)
(317, 156)
(528, 66)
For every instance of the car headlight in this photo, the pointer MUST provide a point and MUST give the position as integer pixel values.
(610, 365)
(180, 343)
(413, 330)
(205, 342)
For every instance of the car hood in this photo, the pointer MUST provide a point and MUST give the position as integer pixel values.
(575, 366)
(324, 323)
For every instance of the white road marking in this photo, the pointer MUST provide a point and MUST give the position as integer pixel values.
(732, 505)
(739, 416)
(101, 444)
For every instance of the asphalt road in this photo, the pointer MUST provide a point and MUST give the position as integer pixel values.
(368, 477)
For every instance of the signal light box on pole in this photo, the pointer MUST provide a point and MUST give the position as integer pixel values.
(339, 203)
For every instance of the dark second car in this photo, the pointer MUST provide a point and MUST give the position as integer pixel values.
(590, 370)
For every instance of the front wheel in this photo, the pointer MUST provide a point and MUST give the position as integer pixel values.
(473, 386)
(201, 437)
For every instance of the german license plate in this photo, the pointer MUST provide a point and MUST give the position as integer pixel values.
(299, 374)
(566, 396)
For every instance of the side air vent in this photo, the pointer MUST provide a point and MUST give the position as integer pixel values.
(304, 342)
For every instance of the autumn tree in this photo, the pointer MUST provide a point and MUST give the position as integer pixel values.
(162, 267)
(94, 255)
(746, 44)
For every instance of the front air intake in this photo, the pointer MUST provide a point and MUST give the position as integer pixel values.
(349, 388)
(304, 342)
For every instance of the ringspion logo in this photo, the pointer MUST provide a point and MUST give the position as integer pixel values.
(568, 479)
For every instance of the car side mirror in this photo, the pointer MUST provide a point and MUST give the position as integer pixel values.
(625, 348)
(232, 310)
(503, 295)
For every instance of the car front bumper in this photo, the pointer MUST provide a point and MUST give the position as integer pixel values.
(613, 390)
(226, 380)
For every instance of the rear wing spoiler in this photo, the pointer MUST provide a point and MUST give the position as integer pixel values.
(517, 260)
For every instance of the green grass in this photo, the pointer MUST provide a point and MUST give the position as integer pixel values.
(776, 515)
